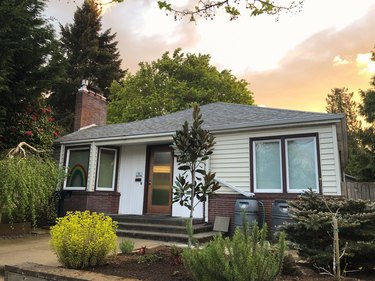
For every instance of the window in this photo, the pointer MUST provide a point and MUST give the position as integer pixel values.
(285, 164)
(267, 157)
(302, 166)
(77, 163)
(106, 174)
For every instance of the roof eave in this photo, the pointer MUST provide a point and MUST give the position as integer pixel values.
(217, 129)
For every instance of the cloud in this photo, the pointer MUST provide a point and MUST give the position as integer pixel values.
(143, 31)
(365, 63)
(308, 72)
(337, 60)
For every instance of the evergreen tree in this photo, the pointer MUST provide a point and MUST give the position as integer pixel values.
(311, 230)
(28, 52)
(367, 136)
(90, 54)
(341, 101)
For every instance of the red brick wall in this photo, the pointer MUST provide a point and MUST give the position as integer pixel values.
(98, 201)
(90, 108)
(223, 205)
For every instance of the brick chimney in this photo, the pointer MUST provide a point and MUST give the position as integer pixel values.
(90, 108)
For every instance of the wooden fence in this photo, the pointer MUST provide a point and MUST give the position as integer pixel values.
(359, 190)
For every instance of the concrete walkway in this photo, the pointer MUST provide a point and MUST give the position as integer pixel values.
(36, 248)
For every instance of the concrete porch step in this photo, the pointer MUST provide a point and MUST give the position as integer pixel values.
(153, 219)
(164, 228)
(166, 237)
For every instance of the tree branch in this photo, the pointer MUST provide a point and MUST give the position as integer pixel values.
(207, 9)
(20, 150)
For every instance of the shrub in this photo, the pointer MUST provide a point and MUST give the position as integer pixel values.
(27, 186)
(312, 234)
(82, 239)
(149, 258)
(248, 256)
(126, 246)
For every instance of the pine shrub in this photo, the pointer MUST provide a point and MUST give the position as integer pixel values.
(248, 256)
(83, 239)
(312, 234)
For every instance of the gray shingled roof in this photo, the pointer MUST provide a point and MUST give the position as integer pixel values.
(216, 116)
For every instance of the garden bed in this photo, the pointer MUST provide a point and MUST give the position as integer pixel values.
(15, 229)
(166, 267)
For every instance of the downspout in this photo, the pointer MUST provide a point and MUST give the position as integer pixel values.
(246, 194)
(236, 189)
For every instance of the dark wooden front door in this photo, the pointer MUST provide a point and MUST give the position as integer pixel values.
(159, 192)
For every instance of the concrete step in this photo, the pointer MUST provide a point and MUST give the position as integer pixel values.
(167, 237)
(153, 219)
(164, 228)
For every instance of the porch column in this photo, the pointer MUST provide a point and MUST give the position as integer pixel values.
(92, 167)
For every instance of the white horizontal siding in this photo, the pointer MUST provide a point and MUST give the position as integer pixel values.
(231, 158)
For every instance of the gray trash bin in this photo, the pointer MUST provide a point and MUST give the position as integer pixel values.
(279, 214)
(250, 207)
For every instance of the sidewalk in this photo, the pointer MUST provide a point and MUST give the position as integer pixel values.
(36, 249)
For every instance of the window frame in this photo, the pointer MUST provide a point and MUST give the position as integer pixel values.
(114, 172)
(67, 157)
(283, 139)
(269, 190)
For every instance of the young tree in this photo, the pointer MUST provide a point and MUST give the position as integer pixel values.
(193, 146)
(173, 83)
(90, 54)
(341, 101)
(28, 51)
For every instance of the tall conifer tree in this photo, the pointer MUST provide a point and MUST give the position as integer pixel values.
(28, 64)
(367, 136)
(341, 101)
(90, 54)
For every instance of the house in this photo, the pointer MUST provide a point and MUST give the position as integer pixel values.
(274, 153)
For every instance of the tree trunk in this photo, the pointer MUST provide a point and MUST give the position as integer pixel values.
(190, 230)
(337, 248)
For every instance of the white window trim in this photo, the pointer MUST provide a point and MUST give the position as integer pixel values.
(289, 190)
(107, 188)
(67, 169)
(254, 168)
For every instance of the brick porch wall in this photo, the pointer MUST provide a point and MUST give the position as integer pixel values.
(98, 201)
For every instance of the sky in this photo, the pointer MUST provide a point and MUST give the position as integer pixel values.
(291, 61)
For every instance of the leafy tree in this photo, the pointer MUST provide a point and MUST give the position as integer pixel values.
(27, 185)
(173, 83)
(341, 101)
(207, 9)
(90, 54)
(193, 146)
(36, 126)
(367, 135)
(27, 62)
